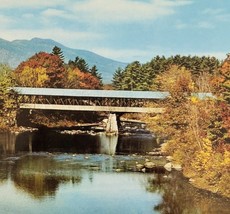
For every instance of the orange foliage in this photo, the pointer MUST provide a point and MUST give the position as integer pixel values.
(83, 80)
(87, 81)
(52, 63)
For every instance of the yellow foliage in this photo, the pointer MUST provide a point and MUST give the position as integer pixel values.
(194, 100)
(191, 128)
(33, 77)
(226, 161)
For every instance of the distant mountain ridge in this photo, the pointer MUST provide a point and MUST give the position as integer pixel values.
(13, 53)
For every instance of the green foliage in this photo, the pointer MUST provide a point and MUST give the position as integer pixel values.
(132, 78)
(79, 63)
(139, 77)
(57, 51)
(117, 79)
(95, 73)
(7, 102)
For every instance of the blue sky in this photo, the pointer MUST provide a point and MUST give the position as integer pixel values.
(124, 30)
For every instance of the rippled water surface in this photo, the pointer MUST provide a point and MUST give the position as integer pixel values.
(51, 172)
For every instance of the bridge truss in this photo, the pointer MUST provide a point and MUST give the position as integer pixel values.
(88, 100)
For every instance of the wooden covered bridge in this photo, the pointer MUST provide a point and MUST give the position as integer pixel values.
(88, 100)
(114, 102)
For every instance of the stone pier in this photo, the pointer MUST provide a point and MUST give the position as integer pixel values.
(112, 126)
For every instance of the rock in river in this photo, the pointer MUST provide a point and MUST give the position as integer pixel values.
(168, 166)
(149, 165)
(139, 166)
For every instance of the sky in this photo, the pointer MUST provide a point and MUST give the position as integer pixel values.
(124, 30)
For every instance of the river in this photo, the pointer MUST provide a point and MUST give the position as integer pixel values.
(60, 172)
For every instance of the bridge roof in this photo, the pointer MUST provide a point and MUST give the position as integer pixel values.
(91, 93)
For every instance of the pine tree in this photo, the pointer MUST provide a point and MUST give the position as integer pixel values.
(117, 79)
(57, 51)
(96, 74)
(81, 64)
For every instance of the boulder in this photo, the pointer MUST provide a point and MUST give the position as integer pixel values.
(168, 166)
(139, 166)
(169, 158)
(177, 167)
(156, 153)
(149, 165)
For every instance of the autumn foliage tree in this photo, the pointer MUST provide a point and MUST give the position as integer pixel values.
(90, 77)
(8, 104)
(33, 77)
(194, 128)
(43, 69)
(82, 80)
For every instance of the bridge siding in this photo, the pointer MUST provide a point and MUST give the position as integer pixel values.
(91, 108)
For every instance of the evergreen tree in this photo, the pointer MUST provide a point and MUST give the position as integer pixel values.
(81, 64)
(57, 51)
(117, 79)
(96, 74)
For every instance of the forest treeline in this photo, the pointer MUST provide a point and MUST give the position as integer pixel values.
(196, 129)
(49, 70)
(137, 76)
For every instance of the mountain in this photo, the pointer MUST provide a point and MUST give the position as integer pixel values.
(13, 53)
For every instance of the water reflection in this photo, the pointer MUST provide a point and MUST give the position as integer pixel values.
(181, 197)
(7, 143)
(41, 176)
(52, 141)
(108, 144)
(74, 171)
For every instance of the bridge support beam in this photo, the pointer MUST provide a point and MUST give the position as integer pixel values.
(112, 126)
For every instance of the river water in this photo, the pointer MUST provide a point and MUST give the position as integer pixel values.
(60, 172)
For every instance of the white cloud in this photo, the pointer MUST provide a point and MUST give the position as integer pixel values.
(125, 55)
(31, 3)
(99, 10)
(5, 20)
(223, 17)
(28, 16)
(126, 10)
(211, 11)
(218, 54)
(56, 13)
(206, 25)
(68, 38)
(217, 14)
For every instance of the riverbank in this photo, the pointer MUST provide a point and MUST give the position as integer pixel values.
(197, 181)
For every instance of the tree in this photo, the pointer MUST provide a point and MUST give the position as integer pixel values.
(133, 77)
(225, 79)
(58, 52)
(81, 64)
(82, 80)
(8, 104)
(117, 79)
(96, 74)
(39, 62)
(33, 77)
(195, 129)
